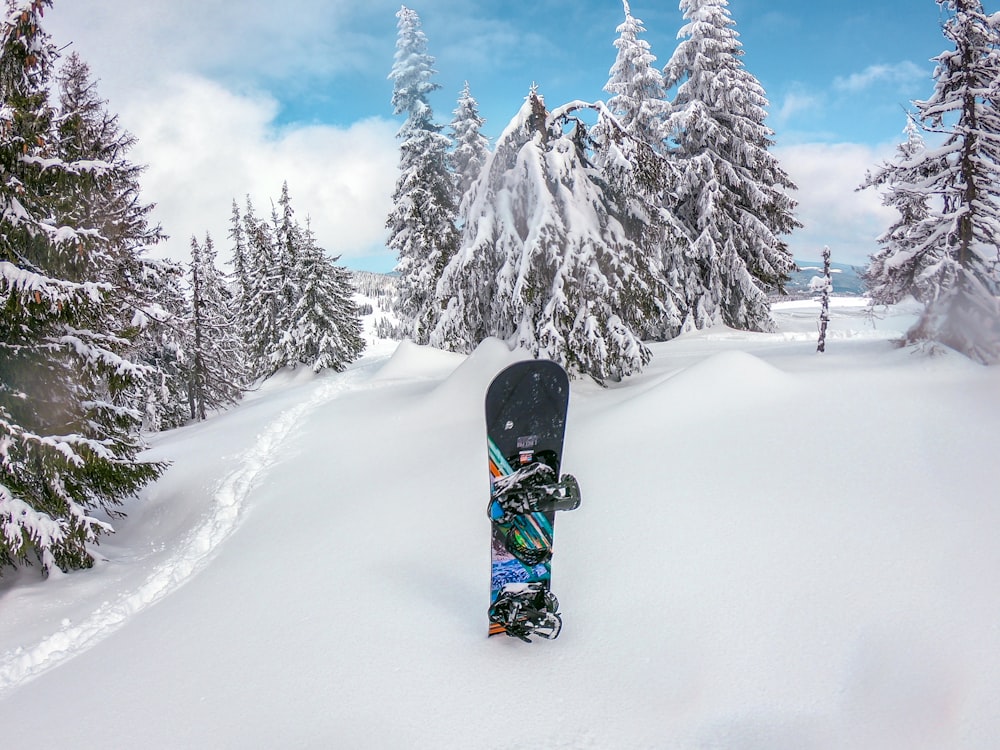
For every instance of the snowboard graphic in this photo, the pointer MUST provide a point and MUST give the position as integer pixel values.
(525, 425)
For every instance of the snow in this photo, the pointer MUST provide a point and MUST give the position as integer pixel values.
(776, 549)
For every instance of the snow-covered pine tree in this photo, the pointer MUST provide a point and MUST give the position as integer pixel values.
(146, 291)
(214, 343)
(949, 257)
(260, 309)
(893, 271)
(638, 95)
(471, 147)
(324, 324)
(630, 146)
(545, 263)
(288, 239)
(468, 283)
(161, 347)
(421, 224)
(733, 198)
(240, 260)
(108, 198)
(239, 257)
(68, 447)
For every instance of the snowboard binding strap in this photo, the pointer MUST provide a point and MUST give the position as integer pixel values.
(532, 489)
(525, 609)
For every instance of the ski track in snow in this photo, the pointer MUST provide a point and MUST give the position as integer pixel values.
(228, 503)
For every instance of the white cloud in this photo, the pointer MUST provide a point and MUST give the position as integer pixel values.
(902, 73)
(254, 37)
(205, 146)
(189, 79)
(795, 103)
(831, 208)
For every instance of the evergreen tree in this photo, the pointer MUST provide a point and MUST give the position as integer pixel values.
(107, 198)
(325, 325)
(471, 146)
(161, 347)
(894, 271)
(214, 346)
(948, 257)
(630, 149)
(261, 289)
(68, 446)
(240, 263)
(242, 286)
(732, 198)
(467, 288)
(146, 291)
(638, 97)
(422, 222)
(545, 263)
(288, 237)
(636, 181)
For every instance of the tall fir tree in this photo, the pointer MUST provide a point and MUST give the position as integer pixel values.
(161, 347)
(214, 352)
(545, 262)
(733, 197)
(948, 257)
(240, 260)
(146, 291)
(894, 270)
(421, 224)
(108, 198)
(324, 329)
(468, 283)
(288, 240)
(471, 147)
(260, 309)
(631, 150)
(68, 446)
(245, 304)
(638, 95)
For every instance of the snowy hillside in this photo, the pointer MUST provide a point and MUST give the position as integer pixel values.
(776, 549)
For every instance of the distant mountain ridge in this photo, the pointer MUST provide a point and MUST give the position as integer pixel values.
(847, 282)
(847, 279)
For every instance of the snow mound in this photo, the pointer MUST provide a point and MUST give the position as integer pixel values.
(731, 372)
(466, 386)
(413, 361)
(721, 382)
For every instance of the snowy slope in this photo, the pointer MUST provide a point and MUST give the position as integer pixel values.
(776, 549)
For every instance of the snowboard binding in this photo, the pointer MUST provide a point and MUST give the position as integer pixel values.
(532, 488)
(526, 609)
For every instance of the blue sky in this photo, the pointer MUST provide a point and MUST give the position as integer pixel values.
(230, 99)
(833, 71)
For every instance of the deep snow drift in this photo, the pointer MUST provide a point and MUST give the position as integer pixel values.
(776, 549)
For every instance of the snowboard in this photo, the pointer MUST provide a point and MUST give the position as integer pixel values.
(526, 406)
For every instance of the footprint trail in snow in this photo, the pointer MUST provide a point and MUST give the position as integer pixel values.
(229, 499)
